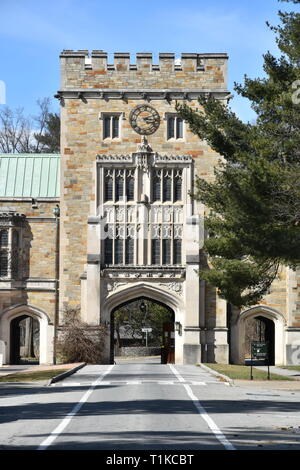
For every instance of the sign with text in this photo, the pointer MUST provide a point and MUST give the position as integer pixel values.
(259, 350)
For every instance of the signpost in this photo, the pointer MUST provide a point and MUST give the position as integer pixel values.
(260, 350)
(146, 330)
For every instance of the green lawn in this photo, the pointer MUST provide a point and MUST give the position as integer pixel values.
(243, 372)
(32, 376)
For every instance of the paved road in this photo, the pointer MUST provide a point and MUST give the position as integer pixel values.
(146, 407)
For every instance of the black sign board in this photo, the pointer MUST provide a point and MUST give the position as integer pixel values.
(259, 350)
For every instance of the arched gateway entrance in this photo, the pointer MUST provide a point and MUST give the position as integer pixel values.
(159, 296)
(143, 327)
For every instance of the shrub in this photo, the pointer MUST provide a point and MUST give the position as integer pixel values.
(79, 342)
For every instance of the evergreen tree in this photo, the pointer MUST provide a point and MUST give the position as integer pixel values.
(254, 200)
(49, 141)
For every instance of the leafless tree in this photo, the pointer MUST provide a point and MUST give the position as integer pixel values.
(14, 131)
(21, 134)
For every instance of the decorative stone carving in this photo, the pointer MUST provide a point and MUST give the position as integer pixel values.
(174, 286)
(172, 159)
(115, 158)
(143, 273)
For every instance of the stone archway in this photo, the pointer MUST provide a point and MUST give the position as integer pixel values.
(144, 290)
(128, 334)
(25, 340)
(46, 330)
(274, 332)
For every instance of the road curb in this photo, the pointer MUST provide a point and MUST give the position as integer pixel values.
(65, 374)
(217, 374)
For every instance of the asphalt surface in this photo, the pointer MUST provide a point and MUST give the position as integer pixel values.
(147, 406)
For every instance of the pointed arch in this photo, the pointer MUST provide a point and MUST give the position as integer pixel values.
(150, 291)
(141, 289)
(46, 329)
(260, 310)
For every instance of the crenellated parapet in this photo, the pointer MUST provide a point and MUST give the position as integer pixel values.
(82, 69)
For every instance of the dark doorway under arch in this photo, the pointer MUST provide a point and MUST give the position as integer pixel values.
(260, 328)
(130, 319)
(24, 340)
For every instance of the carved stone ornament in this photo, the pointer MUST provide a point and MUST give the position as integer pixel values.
(174, 286)
(144, 119)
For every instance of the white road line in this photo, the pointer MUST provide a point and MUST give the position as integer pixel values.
(136, 382)
(59, 429)
(210, 422)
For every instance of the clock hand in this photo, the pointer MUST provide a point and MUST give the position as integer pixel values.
(148, 119)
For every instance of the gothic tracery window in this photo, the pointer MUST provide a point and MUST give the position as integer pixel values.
(133, 227)
(9, 252)
(167, 185)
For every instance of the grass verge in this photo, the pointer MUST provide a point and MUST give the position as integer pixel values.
(32, 376)
(243, 372)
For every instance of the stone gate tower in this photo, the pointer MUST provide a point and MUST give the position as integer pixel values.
(129, 227)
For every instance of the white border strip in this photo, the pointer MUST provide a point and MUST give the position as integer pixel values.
(59, 429)
(209, 421)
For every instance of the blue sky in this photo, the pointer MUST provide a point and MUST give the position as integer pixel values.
(33, 32)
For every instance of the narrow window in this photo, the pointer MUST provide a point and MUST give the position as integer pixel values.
(130, 188)
(106, 127)
(115, 127)
(171, 127)
(129, 250)
(108, 188)
(167, 186)
(177, 251)
(179, 128)
(15, 255)
(3, 264)
(155, 251)
(119, 188)
(166, 251)
(177, 188)
(108, 251)
(119, 251)
(3, 238)
(156, 182)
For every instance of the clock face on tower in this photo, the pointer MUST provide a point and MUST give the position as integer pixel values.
(144, 119)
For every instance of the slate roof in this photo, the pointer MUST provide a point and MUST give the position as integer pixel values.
(30, 175)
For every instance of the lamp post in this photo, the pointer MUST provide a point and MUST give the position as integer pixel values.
(143, 309)
(56, 213)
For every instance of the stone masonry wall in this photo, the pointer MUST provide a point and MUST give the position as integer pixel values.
(82, 133)
(38, 261)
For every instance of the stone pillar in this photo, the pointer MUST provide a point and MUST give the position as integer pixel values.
(93, 272)
(192, 346)
(221, 352)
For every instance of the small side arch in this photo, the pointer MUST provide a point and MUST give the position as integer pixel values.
(238, 336)
(46, 330)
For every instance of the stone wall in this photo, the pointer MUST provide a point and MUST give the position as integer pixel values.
(139, 351)
(35, 285)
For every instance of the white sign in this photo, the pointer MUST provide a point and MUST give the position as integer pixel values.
(146, 330)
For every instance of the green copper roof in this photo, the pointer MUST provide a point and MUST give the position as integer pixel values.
(29, 175)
